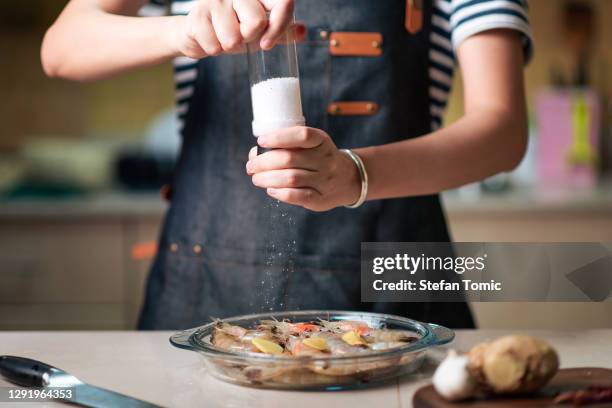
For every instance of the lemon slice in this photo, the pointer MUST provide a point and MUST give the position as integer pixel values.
(267, 346)
(353, 338)
(316, 343)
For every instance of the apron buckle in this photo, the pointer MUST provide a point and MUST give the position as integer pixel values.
(414, 16)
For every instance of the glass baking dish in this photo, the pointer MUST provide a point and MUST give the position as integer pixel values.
(331, 373)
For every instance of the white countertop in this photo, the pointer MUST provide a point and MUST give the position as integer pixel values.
(144, 365)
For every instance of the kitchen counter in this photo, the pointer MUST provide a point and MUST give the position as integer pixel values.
(144, 365)
(532, 201)
(107, 204)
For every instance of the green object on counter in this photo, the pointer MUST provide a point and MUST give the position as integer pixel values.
(581, 153)
(29, 190)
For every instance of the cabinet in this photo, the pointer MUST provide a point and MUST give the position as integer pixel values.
(60, 274)
(68, 266)
(586, 224)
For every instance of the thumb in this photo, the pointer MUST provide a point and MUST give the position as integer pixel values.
(281, 17)
(253, 153)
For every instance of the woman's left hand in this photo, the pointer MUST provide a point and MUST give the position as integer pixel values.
(305, 168)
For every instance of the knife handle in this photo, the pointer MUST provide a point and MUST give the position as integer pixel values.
(24, 371)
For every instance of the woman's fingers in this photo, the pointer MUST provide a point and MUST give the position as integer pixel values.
(288, 178)
(279, 159)
(281, 16)
(205, 36)
(226, 26)
(252, 19)
(299, 34)
(306, 169)
(305, 197)
(293, 138)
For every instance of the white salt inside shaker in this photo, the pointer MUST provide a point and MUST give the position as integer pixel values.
(276, 105)
(275, 86)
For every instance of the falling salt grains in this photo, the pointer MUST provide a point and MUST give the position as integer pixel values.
(278, 264)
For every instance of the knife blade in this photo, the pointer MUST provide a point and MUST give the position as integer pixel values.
(96, 397)
(31, 373)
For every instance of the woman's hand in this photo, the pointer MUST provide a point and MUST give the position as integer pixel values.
(213, 27)
(305, 168)
(122, 42)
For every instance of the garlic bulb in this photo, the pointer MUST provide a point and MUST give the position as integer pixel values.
(452, 378)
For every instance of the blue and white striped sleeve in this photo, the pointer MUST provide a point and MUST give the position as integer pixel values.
(469, 17)
(153, 8)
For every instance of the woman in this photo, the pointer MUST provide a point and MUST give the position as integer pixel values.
(375, 78)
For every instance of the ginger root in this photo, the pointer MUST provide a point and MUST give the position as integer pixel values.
(513, 364)
(507, 365)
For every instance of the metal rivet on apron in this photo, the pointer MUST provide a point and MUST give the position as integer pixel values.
(376, 44)
(166, 192)
(173, 247)
(335, 43)
(335, 109)
(324, 34)
(197, 249)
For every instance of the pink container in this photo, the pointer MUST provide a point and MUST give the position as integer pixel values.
(569, 128)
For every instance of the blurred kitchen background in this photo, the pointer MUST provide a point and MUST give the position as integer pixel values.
(81, 166)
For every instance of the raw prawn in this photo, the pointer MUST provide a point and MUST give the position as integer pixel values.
(346, 325)
(236, 338)
(225, 341)
(388, 336)
(287, 328)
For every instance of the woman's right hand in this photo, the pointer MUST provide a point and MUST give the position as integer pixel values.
(213, 27)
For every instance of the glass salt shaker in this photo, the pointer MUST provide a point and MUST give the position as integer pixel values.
(275, 86)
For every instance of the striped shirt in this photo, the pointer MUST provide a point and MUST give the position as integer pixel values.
(453, 21)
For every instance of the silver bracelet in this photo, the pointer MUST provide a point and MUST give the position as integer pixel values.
(363, 174)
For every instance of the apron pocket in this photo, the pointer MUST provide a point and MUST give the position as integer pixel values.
(223, 282)
(324, 289)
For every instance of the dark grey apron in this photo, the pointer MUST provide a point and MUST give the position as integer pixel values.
(228, 249)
